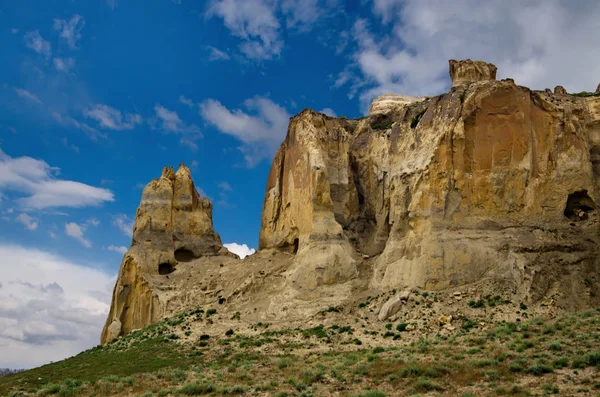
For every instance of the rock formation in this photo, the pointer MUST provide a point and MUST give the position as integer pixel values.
(488, 183)
(468, 71)
(490, 180)
(560, 90)
(173, 224)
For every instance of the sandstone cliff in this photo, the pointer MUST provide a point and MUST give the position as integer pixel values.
(491, 185)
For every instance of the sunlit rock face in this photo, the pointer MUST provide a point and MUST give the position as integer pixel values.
(490, 180)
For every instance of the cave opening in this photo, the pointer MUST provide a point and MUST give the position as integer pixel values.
(165, 268)
(579, 205)
(184, 255)
(296, 245)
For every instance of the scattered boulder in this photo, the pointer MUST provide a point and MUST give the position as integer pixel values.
(392, 306)
(444, 320)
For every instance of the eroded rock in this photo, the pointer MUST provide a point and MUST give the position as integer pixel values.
(468, 71)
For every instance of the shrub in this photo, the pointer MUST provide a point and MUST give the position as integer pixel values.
(476, 304)
(539, 369)
(196, 389)
(401, 327)
(210, 312)
(423, 384)
(372, 393)
(229, 332)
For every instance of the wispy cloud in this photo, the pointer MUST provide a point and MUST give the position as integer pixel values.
(122, 250)
(112, 118)
(328, 111)
(63, 64)
(225, 186)
(38, 183)
(217, 55)
(27, 95)
(170, 121)
(71, 122)
(124, 224)
(70, 31)
(71, 146)
(36, 42)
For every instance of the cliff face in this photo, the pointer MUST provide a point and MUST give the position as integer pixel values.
(490, 180)
(491, 185)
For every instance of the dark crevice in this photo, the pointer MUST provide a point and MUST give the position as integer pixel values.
(579, 206)
(296, 245)
(184, 255)
(165, 268)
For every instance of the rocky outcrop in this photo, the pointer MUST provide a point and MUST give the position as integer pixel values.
(173, 225)
(388, 102)
(468, 71)
(560, 90)
(598, 89)
(489, 181)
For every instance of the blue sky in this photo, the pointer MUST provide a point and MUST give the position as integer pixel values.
(97, 96)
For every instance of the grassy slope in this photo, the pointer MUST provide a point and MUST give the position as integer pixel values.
(560, 356)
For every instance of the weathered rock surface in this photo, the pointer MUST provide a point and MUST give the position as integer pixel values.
(468, 71)
(389, 102)
(490, 180)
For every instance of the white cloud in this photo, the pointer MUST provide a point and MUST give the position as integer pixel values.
(170, 121)
(27, 95)
(413, 59)
(92, 222)
(37, 181)
(71, 122)
(124, 224)
(261, 132)
(122, 250)
(195, 164)
(27, 221)
(255, 22)
(111, 118)
(225, 186)
(329, 112)
(63, 64)
(70, 30)
(51, 234)
(50, 307)
(186, 101)
(217, 55)
(71, 146)
(36, 42)
(76, 231)
(240, 250)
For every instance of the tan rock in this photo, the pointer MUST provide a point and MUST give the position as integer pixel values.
(390, 102)
(391, 307)
(560, 90)
(468, 71)
(444, 320)
(598, 89)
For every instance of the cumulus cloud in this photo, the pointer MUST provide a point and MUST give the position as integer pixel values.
(36, 181)
(63, 64)
(122, 250)
(261, 128)
(27, 95)
(29, 222)
(76, 231)
(241, 250)
(70, 31)
(36, 42)
(413, 58)
(329, 112)
(124, 224)
(50, 307)
(112, 118)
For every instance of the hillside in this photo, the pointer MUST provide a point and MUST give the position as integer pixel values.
(348, 354)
